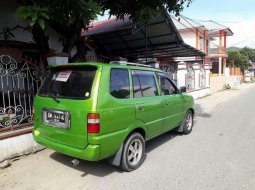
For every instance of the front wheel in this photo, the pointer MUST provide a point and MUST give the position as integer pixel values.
(133, 152)
(188, 123)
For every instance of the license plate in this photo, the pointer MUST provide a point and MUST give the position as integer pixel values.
(56, 118)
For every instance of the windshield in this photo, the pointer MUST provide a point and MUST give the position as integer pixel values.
(74, 83)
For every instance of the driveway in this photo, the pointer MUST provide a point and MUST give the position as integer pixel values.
(218, 154)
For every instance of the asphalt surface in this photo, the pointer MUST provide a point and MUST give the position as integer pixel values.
(218, 154)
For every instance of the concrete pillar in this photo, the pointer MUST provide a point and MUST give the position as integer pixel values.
(207, 74)
(196, 67)
(220, 65)
(224, 66)
(181, 74)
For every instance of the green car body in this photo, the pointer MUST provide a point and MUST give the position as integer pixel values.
(119, 117)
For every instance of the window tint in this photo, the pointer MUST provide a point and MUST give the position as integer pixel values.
(136, 87)
(119, 83)
(166, 86)
(144, 84)
(74, 83)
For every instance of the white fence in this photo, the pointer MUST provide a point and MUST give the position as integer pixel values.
(196, 78)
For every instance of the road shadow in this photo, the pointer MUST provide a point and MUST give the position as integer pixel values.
(200, 112)
(100, 168)
(103, 168)
(160, 140)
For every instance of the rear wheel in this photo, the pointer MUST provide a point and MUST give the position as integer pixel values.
(188, 122)
(133, 153)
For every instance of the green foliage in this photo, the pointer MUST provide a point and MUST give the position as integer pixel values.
(248, 53)
(69, 17)
(36, 15)
(142, 11)
(76, 12)
(5, 121)
(70, 12)
(65, 13)
(238, 59)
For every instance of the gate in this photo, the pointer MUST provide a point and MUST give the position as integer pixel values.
(202, 77)
(190, 78)
(19, 83)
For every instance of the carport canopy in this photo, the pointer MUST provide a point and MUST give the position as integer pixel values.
(124, 38)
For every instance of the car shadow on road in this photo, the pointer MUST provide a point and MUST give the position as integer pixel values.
(200, 111)
(161, 139)
(100, 168)
(103, 168)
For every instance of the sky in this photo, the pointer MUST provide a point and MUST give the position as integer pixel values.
(238, 15)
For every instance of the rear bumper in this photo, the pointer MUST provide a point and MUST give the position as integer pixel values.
(90, 153)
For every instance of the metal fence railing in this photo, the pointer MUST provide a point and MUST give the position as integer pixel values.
(19, 83)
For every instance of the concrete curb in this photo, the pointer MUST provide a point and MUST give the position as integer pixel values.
(18, 146)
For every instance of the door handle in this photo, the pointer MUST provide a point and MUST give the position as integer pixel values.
(140, 108)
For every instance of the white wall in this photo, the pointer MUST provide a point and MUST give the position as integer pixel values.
(8, 16)
(188, 37)
(197, 92)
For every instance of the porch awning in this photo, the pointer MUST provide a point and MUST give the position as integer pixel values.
(127, 39)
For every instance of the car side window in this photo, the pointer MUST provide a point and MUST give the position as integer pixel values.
(136, 87)
(119, 83)
(144, 84)
(166, 86)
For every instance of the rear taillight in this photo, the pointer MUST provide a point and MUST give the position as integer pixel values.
(93, 125)
(33, 113)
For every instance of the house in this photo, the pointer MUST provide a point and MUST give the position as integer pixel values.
(209, 37)
(160, 41)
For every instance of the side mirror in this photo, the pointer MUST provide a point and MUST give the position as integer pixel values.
(183, 89)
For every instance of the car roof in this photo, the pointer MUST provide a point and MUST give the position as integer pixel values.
(114, 65)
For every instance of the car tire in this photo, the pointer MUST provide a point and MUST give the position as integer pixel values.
(188, 123)
(133, 153)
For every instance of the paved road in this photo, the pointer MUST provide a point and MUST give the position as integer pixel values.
(218, 154)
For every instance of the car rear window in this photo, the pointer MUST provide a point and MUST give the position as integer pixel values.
(73, 83)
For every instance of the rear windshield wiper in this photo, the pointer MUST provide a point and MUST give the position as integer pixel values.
(53, 96)
(56, 100)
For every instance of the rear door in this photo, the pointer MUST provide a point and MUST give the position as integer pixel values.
(173, 102)
(63, 103)
(149, 105)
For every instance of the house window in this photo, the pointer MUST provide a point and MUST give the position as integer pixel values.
(207, 46)
(200, 43)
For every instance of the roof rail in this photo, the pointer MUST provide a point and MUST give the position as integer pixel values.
(128, 63)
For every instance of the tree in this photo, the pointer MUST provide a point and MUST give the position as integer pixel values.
(248, 53)
(142, 11)
(67, 17)
(70, 17)
(235, 58)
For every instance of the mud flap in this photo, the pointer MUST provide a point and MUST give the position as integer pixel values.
(116, 160)
(180, 128)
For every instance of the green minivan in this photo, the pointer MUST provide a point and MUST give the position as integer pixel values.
(93, 111)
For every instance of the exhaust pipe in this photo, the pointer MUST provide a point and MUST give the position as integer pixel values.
(75, 162)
